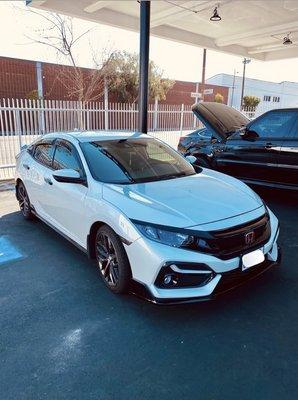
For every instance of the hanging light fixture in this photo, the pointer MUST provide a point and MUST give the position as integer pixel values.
(286, 40)
(215, 16)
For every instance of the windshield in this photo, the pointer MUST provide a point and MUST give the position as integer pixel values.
(134, 161)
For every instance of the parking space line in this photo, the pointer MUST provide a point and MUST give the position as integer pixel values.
(8, 251)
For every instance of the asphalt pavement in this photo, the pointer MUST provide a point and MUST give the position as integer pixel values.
(63, 335)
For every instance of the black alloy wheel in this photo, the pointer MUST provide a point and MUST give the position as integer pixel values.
(24, 201)
(112, 260)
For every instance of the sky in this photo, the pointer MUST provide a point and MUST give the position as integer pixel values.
(179, 61)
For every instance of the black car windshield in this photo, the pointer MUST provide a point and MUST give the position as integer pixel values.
(134, 161)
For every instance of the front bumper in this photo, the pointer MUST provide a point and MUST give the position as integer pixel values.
(227, 281)
(148, 258)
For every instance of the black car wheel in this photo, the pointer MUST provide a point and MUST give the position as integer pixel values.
(112, 260)
(24, 201)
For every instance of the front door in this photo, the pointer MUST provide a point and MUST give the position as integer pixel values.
(255, 156)
(67, 201)
(287, 172)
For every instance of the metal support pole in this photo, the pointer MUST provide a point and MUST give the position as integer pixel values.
(144, 64)
(181, 118)
(39, 79)
(155, 115)
(106, 104)
(18, 126)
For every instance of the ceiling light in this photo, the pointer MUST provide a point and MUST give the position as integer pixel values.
(215, 16)
(286, 40)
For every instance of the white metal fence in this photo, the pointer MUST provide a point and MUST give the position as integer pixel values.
(21, 121)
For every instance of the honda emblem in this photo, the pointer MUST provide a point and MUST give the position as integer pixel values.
(249, 238)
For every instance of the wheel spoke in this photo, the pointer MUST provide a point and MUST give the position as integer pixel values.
(114, 273)
(23, 200)
(101, 251)
(112, 277)
(106, 268)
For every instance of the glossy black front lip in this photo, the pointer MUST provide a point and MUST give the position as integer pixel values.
(143, 292)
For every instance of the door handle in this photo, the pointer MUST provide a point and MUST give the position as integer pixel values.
(26, 166)
(268, 145)
(48, 181)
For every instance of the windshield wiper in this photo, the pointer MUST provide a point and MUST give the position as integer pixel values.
(173, 176)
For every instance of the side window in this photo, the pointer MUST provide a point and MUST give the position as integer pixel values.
(44, 154)
(66, 158)
(274, 124)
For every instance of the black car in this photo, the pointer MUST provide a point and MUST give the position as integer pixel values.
(263, 151)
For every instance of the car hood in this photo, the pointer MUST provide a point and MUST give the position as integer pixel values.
(183, 202)
(220, 118)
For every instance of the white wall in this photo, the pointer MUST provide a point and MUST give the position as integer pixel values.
(287, 91)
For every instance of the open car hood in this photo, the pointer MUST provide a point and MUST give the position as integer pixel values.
(221, 119)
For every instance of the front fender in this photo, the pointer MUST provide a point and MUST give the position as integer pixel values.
(110, 215)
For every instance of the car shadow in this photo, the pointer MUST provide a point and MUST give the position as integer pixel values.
(45, 240)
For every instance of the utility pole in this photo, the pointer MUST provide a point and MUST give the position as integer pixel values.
(245, 61)
(233, 87)
(203, 73)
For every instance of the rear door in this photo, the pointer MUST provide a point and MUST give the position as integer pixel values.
(255, 156)
(36, 169)
(287, 172)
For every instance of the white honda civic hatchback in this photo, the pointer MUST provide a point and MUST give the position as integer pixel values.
(156, 226)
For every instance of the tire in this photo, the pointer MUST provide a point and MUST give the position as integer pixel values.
(201, 162)
(24, 202)
(112, 260)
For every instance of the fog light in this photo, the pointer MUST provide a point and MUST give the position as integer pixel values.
(170, 280)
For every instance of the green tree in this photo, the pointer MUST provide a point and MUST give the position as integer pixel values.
(122, 75)
(251, 101)
(218, 98)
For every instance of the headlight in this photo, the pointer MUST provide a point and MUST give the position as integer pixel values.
(168, 237)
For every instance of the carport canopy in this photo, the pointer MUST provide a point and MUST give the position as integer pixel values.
(254, 29)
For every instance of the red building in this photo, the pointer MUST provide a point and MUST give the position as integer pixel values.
(19, 80)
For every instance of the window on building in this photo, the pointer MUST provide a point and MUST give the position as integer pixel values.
(267, 98)
(276, 99)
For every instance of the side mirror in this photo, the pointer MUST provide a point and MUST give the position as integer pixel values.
(68, 176)
(246, 134)
(191, 159)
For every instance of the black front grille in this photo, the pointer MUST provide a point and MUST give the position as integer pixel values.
(229, 243)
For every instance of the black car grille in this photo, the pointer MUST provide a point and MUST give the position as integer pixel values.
(231, 242)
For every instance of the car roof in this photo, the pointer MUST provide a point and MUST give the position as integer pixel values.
(91, 136)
